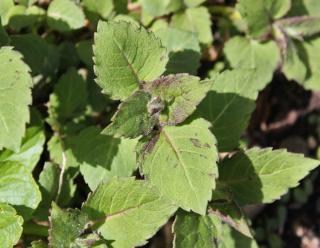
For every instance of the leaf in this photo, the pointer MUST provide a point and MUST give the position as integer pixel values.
(181, 93)
(30, 150)
(229, 105)
(183, 48)
(193, 3)
(105, 8)
(102, 157)
(15, 96)
(4, 38)
(160, 7)
(192, 230)
(294, 67)
(304, 7)
(38, 244)
(300, 27)
(255, 14)
(42, 57)
(181, 163)
(10, 226)
(69, 97)
(265, 174)
(312, 49)
(250, 54)
(18, 188)
(5, 6)
(229, 213)
(233, 239)
(85, 53)
(135, 117)
(118, 69)
(118, 207)
(65, 15)
(65, 226)
(278, 8)
(196, 20)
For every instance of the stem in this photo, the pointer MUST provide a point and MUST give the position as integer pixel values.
(63, 165)
(31, 228)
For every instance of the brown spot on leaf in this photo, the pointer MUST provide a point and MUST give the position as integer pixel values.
(195, 142)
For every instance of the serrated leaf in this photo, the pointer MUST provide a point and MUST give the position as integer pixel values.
(65, 226)
(42, 57)
(228, 106)
(18, 188)
(102, 157)
(160, 7)
(256, 16)
(196, 20)
(265, 174)
(134, 117)
(118, 69)
(118, 207)
(196, 231)
(251, 54)
(181, 94)
(10, 226)
(65, 15)
(69, 97)
(312, 49)
(15, 96)
(183, 48)
(278, 8)
(229, 213)
(294, 68)
(181, 163)
(300, 27)
(30, 150)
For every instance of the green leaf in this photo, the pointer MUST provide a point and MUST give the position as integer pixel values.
(229, 105)
(181, 93)
(160, 7)
(304, 7)
(118, 208)
(65, 226)
(85, 53)
(294, 68)
(256, 16)
(135, 117)
(196, 231)
(30, 150)
(42, 57)
(5, 6)
(18, 188)
(102, 157)
(69, 97)
(265, 174)
(312, 49)
(15, 96)
(278, 8)
(105, 8)
(181, 163)
(10, 226)
(233, 239)
(196, 20)
(120, 73)
(193, 3)
(250, 54)
(300, 27)
(38, 244)
(183, 48)
(4, 38)
(65, 15)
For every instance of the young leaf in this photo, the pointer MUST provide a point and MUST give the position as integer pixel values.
(18, 188)
(126, 55)
(277, 8)
(181, 93)
(134, 117)
(65, 15)
(196, 231)
(228, 106)
(118, 208)
(10, 226)
(15, 96)
(102, 157)
(196, 20)
(251, 54)
(65, 226)
(265, 174)
(181, 163)
(255, 13)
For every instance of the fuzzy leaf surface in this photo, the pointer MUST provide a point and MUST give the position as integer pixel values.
(263, 175)
(119, 206)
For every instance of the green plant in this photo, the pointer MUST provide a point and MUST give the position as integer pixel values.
(89, 169)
